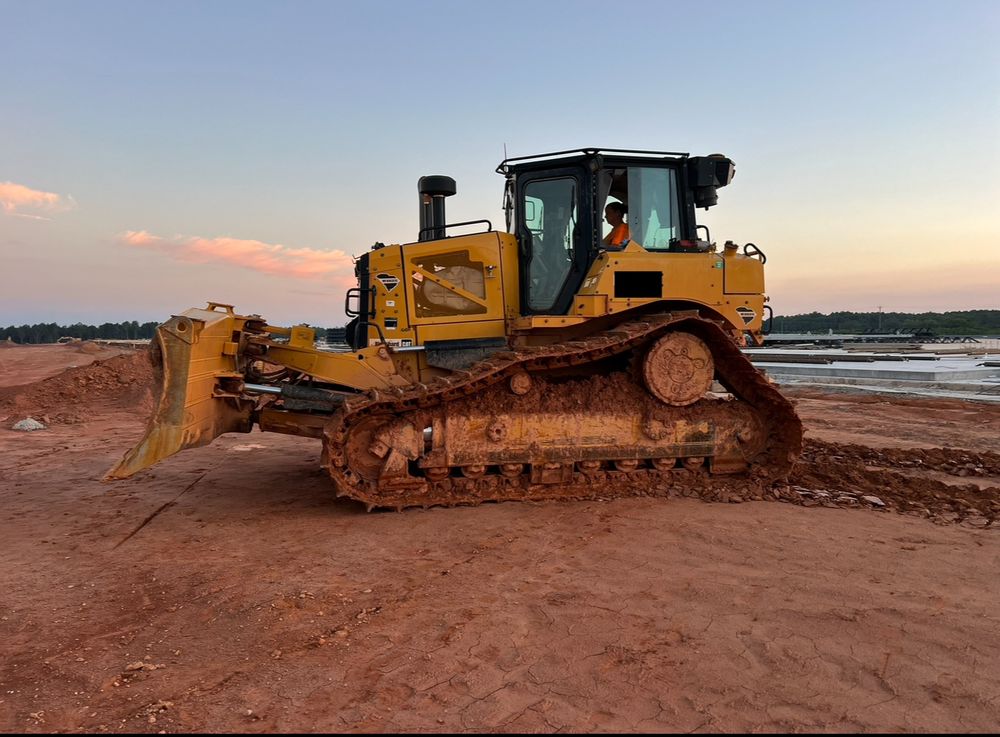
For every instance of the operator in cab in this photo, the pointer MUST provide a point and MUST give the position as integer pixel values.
(614, 215)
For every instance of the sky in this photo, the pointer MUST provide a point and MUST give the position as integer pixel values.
(155, 156)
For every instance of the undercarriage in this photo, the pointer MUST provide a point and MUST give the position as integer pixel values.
(662, 400)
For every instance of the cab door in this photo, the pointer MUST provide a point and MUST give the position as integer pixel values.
(554, 229)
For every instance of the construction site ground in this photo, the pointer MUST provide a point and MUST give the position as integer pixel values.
(227, 590)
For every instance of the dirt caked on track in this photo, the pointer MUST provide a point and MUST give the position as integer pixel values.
(226, 589)
(756, 422)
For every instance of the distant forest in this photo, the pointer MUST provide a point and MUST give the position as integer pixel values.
(50, 332)
(968, 322)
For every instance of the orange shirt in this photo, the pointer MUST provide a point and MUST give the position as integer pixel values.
(618, 235)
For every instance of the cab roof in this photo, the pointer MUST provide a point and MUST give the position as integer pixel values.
(513, 165)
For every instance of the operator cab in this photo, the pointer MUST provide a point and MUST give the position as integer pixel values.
(554, 205)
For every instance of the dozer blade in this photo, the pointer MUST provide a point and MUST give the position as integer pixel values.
(192, 352)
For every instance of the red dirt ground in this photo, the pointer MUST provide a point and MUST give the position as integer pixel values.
(227, 590)
(29, 363)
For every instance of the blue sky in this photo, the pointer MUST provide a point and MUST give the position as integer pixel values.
(865, 137)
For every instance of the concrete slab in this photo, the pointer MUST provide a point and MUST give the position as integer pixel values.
(953, 376)
(883, 370)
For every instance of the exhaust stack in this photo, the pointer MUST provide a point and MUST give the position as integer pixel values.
(433, 190)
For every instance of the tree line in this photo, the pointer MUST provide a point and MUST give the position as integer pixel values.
(50, 332)
(965, 322)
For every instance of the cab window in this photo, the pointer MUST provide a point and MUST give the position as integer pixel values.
(651, 198)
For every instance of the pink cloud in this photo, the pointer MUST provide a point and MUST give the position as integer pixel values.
(16, 197)
(268, 258)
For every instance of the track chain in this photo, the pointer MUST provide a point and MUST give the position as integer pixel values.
(781, 424)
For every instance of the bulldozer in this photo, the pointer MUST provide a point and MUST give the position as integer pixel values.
(539, 362)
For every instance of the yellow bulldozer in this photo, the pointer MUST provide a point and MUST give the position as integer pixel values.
(545, 361)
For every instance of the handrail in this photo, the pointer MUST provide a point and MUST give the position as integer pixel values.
(766, 325)
(357, 292)
(489, 227)
(366, 324)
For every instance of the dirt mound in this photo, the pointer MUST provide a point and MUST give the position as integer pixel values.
(118, 382)
(843, 475)
(87, 347)
(953, 461)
